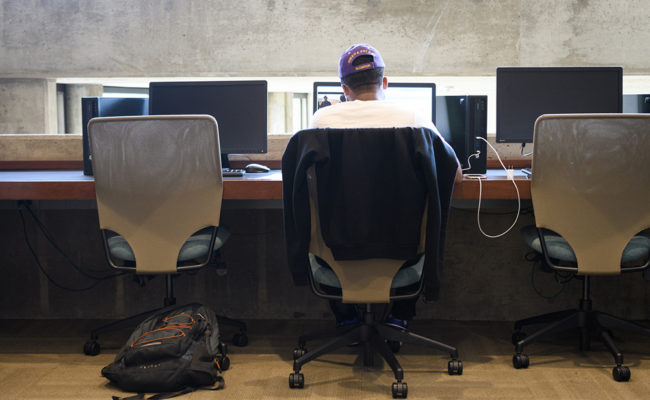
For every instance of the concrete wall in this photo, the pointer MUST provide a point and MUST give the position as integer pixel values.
(49, 39)
(113, 38)
(28, 106)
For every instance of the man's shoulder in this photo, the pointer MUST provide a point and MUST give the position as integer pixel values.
(323, 116)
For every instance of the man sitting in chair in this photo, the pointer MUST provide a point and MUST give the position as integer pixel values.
(361, 70)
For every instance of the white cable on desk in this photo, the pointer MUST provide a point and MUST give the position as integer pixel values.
(480, 193)
(469, 159)
(476, 154)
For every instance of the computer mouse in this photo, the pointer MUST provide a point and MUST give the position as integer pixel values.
(253, 168)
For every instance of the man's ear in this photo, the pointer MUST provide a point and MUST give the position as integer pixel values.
(385, 83)
(346, 91)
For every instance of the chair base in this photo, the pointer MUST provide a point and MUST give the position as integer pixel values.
(588, 322)
(374, 337)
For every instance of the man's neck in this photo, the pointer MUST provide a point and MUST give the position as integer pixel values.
(370, 95)
(366, 93)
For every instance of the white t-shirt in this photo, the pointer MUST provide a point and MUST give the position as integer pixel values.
(372, 114)
(369, 114)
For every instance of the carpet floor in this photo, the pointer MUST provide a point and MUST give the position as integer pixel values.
(43, 359)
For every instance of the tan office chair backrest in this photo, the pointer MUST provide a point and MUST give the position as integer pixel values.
(591, 183)
(158, 180)
(362, 281)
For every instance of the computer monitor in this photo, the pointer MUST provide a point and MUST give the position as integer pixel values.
(417, 96)
(636, 103)
(525, 93)
(460, 120)
(92, 107)
(238, 106)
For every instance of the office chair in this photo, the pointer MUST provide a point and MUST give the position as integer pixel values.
(159, 189)
(591, 195)
(372, 283)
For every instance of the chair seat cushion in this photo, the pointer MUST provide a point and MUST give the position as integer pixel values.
(406, 276)
(637, 249)
(195, 247)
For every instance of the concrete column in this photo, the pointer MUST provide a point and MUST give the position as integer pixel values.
(280, 112)
(275, 113)
(73, 95)
(288, 112)
(27, 105)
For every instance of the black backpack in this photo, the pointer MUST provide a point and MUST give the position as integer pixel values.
(176, 350)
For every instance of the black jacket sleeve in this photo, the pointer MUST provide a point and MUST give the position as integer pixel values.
(303, 150)
(439, 164)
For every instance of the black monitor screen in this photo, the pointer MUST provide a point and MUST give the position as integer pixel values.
(417, 96)
(238, 106)
(636, 103)
(525, 93)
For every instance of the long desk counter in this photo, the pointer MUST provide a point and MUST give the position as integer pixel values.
(74, 185)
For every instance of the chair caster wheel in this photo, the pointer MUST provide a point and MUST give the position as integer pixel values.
(240, 339)
(224, 362)
(621, 373)
(91, 348)
(394, 345)
(520, 361)
(517, 336)
(455, 367)
(298, 352)
(296, 380)
(400, 390)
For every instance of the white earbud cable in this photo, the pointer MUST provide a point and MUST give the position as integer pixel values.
(480, 194)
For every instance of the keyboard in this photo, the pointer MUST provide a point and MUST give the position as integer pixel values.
(230, 172)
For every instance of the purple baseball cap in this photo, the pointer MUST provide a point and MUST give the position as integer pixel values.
(346, 66)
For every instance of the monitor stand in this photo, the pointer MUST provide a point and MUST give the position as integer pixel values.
(225, 162)
(527, 171)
